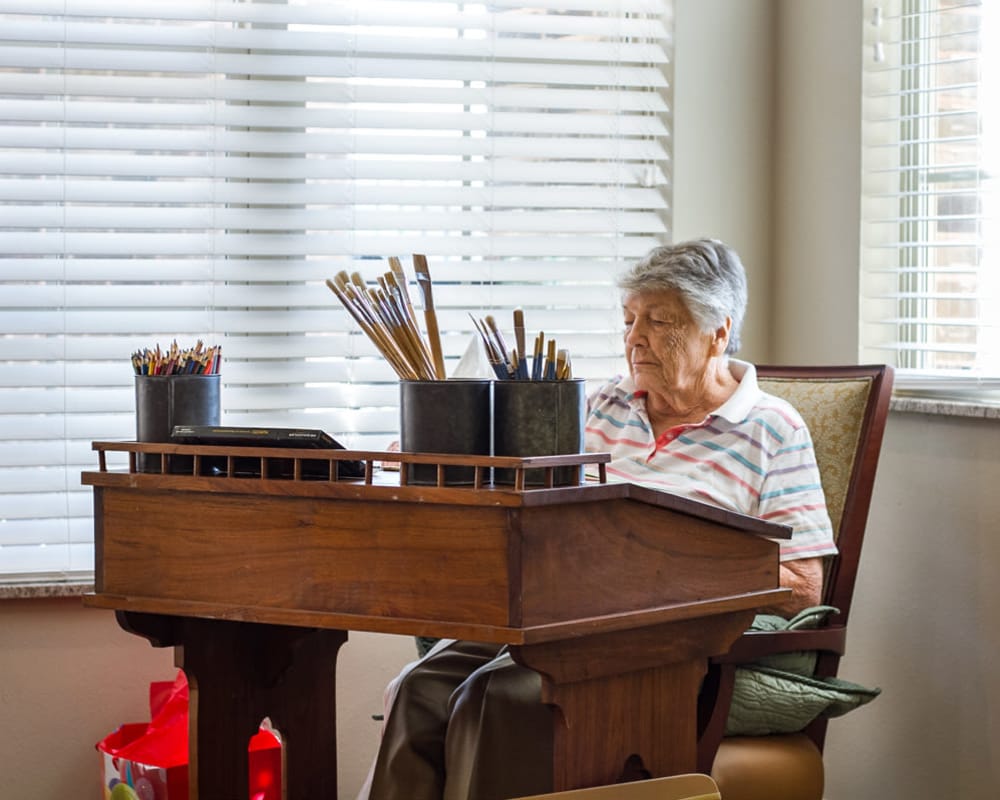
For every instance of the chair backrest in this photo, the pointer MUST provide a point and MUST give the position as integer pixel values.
(694, 786)
(846, 408)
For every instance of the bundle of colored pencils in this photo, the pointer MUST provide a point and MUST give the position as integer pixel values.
(385, 313)
(197, 360)
(548, 362)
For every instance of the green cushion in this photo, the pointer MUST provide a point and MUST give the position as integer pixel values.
(779, 693)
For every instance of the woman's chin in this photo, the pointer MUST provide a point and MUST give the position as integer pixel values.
(648, 382)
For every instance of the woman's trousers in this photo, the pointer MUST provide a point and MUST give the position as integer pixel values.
(464, 723)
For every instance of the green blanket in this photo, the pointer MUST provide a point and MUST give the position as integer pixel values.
(779, 693)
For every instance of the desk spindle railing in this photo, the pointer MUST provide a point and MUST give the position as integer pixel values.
(367, 467)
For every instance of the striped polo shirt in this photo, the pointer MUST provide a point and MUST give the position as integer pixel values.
(753, 455)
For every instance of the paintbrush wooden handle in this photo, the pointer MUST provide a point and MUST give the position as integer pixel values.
(430, 315)
(434, 337)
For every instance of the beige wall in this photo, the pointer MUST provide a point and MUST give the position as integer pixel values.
(766, 157)
(926, 621)
(817, 204)
(723, 105)
(67, 678)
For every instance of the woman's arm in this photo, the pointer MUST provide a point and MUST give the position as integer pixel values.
(804, 576)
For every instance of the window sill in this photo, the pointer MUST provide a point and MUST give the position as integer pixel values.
(40, 589)
(944, 406)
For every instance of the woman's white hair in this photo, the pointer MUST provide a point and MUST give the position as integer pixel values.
(707, 274)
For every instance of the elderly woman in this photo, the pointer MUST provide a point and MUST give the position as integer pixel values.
(466, 722)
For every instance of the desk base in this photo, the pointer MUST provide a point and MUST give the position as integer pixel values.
(238, 673)
(615, 697)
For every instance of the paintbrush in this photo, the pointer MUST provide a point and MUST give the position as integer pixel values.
(568, 370)
(506, 356)
(562, 365)
(536, 363)
(430, 314)
(497, 337)
(491, 351)
(550, 361)
(522, 349)
(397, 270)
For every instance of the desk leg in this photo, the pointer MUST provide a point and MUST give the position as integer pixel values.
(627, 693)
(239, 673)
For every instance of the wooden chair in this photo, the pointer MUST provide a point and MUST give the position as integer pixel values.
(846, 409)
(676, 787)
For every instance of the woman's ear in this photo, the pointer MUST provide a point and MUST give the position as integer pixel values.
(720, 340)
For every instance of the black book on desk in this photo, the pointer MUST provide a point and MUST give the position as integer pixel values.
(297, 438)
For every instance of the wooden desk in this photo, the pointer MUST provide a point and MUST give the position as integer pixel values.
(616, 594)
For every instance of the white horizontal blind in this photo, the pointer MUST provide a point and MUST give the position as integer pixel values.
(931, 164)
(196, 169)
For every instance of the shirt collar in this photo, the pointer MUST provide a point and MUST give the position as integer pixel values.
(736, 409)
(741, 402)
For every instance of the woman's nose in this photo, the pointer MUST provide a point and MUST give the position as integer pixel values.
(635, 332)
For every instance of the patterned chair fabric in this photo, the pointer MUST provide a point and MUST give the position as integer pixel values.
(834, 411)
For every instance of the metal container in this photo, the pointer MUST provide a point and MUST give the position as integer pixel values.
(539, 418)
(450, 416)
(162, 401)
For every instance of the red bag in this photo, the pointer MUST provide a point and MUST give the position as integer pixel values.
(148, 761)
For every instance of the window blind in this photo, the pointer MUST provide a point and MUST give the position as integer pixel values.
(931, 153)
(196, 169)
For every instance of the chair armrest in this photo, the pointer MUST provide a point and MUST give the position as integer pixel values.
(753, 645)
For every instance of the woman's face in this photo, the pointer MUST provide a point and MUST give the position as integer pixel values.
(667, 352)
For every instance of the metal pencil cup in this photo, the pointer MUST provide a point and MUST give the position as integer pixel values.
(162, 401)
(449, 416)
(538, 418)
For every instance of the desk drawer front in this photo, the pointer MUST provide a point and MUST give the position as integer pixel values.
(402, 560)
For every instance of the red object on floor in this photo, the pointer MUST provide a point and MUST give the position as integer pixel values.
(148, 760)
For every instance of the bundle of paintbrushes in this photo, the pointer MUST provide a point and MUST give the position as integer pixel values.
(197, 360)
(385, 313)
(548, 363)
